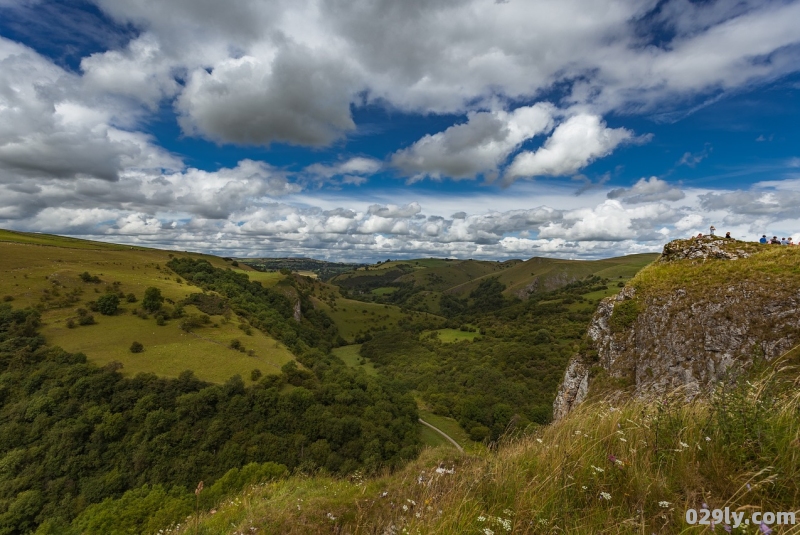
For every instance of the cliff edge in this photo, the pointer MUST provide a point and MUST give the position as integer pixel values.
(706, 309)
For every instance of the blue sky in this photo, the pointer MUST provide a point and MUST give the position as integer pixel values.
(359, 130)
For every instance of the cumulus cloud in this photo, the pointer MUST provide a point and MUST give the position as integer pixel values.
(355, 171)
(647, 190)
(444, 57)
(140, 71)
(297, 97)
(50, 128)
(480, 145)
(574, 144)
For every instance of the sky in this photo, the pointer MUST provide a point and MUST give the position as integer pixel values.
(361, 130)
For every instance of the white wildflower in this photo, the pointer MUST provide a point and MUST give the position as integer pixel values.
(708, 439)
(605, 495)
(597, 469)
(622, 439)
(539, 440)
(405, 507)
(664, 504)
(481, 518)
(487, 531)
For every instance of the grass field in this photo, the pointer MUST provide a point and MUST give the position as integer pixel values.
(354, 317)
(449, 336)
(41, 271)
(431, 438)
(384, 290)
(349, 355)
(449, 426)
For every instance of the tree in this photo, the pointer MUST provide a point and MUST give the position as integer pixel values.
(107, 304)
(152, 299)
(137, 347)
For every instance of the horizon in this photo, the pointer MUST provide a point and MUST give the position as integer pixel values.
(476, 128)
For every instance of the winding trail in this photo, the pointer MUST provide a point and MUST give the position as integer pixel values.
(445, 435)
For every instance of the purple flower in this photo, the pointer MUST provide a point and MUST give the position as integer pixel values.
(765, 529)
(612, 458)
(748, 486)
(727, 528)
(705, 505)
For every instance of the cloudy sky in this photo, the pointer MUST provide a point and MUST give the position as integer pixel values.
(373, 129)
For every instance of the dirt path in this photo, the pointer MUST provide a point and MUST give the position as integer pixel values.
(445, 435)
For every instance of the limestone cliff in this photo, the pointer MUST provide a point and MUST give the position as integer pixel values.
(706, 307)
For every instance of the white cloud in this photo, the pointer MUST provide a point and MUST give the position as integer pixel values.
(355, 171)
(299, 96)
(480, 145)
(574, 144)
(647, 190)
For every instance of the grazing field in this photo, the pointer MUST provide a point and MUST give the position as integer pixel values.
(43, 271)
(351, 357)
(357, 317)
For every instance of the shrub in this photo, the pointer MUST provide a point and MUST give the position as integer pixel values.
(160, 321)
(152, 299)
(137, 347)
(87, 277)
(131, 298)
(236, 344)
(255, 375)
(70, 323)
(8, 298)
(107, 304)
(86, 320)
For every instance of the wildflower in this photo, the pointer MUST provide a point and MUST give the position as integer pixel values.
(481, 518)
(605, 495)
(330, 516)
(597, 469)
(612, 458)
(487, 531)
(748, 486)
(539, 440)
(417, 515)
(584, 487)
(708, 439)
(683, 445)
(704, 506)
(384, 494)
(622, 439)
(765, 529)
(442, 470)
(664, 504)
(405, 507)
(508, 512)
(727, 528)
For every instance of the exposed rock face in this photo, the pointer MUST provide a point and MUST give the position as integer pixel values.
(685, 337)
(298, 313)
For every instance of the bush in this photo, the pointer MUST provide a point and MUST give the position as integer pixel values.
(236, 344)
(624, 315)
(8, 298)
(86, 277)
(107, 304)
(131, 298)
(137, 347)
(160, 321)
(255, 375)
(152, 299)
(70, 323)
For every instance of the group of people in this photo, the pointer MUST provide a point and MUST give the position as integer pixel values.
(776, 241)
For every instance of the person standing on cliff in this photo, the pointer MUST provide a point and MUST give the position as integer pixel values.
(713, 230)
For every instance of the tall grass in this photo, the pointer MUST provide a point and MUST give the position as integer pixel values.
(633, 468)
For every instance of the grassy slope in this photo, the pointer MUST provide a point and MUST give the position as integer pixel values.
(30, 267)
(551, 273)
(632, 469)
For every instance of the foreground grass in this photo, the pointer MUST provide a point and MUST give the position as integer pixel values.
(634, 468)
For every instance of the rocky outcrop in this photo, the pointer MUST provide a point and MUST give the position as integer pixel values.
(702, 248)
(688, 335)
(298, 312)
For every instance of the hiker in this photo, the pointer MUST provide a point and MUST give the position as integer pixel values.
(763, 239)
(728, 236)
(790, 241)
(713, 230)
(775, 241)
(784, 241)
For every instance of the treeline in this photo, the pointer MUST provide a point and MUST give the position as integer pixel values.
(266, 309)
(506, 377)
(73, 434)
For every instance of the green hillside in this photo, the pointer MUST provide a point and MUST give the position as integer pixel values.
(43, 271)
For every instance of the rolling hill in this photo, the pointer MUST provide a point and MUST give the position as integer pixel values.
(43, 271)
